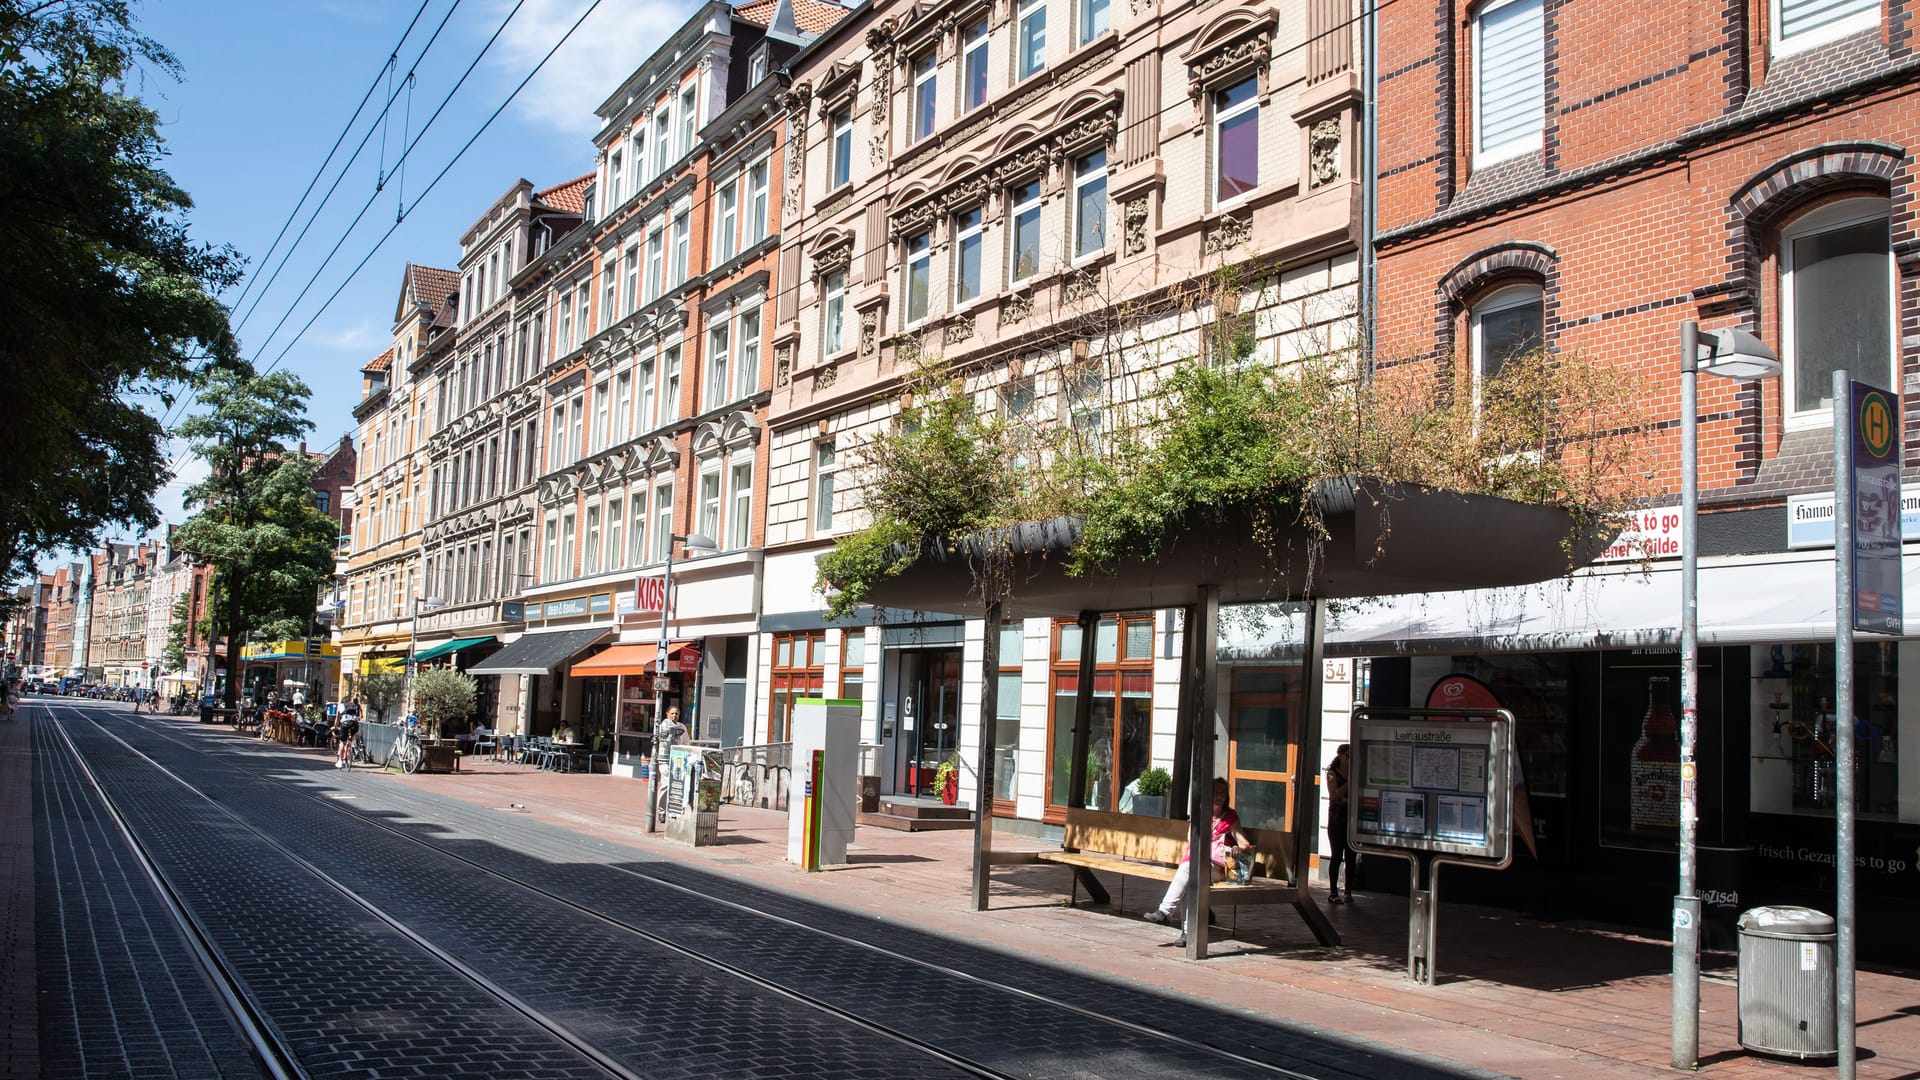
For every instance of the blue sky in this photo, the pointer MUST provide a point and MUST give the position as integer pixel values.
(267, 86)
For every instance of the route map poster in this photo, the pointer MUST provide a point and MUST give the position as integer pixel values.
(1432, 784)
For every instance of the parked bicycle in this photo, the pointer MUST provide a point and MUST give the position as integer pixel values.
(406, 752)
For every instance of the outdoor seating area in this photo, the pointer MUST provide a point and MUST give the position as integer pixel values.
(550, 754)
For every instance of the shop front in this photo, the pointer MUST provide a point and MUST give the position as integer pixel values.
(623, 690)
(311, 664)
(531, 673)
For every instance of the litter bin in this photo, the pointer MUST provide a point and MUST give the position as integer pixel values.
(1787, 982)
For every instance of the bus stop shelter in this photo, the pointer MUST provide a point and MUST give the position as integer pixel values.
(1374, 538)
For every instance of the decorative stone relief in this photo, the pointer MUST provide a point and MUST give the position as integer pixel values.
(826, 377)
(1254, 50)
(877, 149)
(1323, 152)
(783, 365)
(1228, 234)
(959, 330)
(836, 258)
(1134, 214)
(790, 204)
(869, 331)
(1017, 308)
(1080, 287)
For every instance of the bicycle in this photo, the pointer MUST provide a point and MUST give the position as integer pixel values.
(406, 752)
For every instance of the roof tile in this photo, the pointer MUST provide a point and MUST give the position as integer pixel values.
(569, 197)
(383, 362)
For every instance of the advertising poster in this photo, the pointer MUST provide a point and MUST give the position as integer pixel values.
(1875, 459)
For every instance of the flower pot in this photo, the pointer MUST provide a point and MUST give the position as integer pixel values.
(950, 791)
(1150, 805)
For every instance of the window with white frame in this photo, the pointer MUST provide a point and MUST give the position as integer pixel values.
(616, 546)
(840, 147)
(566, 320)
(1023, 257)
(1802, 24)
(833, 313)
(602, 415)
(1838, 282)
(557, 438)
(689, 117)
(647, 420)
(609, 283)
(973, 67)
(1093, 19)
(639, 144)
(1509, 79)
(919, 275)
(1031, 47)
(590, 556)
(825, 468)
(746, 364)
(670, 390)
(663, 137)
(1090, 204)
(726, 234)
(740, 512)
(656, 262)
(719, 338)
(566, 543)
(968, 244)
(925, 95)
(662, 518)
(550, 566)
(582, 300)
(636, 525)
(1236, 140)
(710, 500)
(631, 302)
(577, 419)
(622, 406)
(615, 169)
(1086, 391)
(758, 201)
(1509, 323)
(757, 66)
(682, 244)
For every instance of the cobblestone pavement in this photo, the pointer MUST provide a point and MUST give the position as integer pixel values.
(644, 1004)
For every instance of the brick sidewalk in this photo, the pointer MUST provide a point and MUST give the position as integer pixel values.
(1517, 996)
(19, 982)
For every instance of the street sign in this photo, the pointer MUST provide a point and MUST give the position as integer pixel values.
(1874, 459)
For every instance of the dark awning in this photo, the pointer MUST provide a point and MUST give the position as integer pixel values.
(446, 647)
(539, 654)
(1381, 539)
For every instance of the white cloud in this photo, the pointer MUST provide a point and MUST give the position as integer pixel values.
(609, 45)
(364, 336)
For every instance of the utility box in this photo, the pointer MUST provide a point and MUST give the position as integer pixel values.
(826, 767)
(692, 804)
(1787, 982)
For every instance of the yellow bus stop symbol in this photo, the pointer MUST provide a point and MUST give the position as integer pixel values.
(1876, 424)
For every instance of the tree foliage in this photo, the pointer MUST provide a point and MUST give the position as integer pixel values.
(442, 697)
(256, 522)
(174, 656)
(380, 691)
(108, 297)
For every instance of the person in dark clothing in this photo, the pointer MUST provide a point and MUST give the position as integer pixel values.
(1338, 776)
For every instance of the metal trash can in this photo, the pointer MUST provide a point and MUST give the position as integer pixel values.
(1787, 982)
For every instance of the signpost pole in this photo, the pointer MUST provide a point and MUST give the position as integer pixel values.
(1686, 903)
(659, 690)
(1843, 613)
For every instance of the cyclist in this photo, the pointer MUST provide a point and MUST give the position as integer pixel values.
(349, 731)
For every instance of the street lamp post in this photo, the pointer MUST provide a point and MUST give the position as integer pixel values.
(693, 542)
(413, 646)
(1733, 354)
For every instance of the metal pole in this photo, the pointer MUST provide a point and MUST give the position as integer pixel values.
(413, 645)
(659, 693)
(1686, 905)
(1843, 716)
(989, 748)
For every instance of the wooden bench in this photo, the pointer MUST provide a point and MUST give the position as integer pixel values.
(1151, 847)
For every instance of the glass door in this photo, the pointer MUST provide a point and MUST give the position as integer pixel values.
(1263, 751)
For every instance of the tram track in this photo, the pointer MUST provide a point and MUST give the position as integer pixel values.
(1224, 1060)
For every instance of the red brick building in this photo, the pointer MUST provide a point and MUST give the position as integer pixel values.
(1551, 172)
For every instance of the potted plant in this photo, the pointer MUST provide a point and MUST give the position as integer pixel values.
(946, 780)
(1150, 792)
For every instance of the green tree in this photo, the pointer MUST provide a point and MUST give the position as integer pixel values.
(256, 523)
(108, 298)
(380, 691)
(442, 697)
(174, 655)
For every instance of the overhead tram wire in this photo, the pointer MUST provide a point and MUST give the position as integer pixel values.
(435, 182)
(405, 152)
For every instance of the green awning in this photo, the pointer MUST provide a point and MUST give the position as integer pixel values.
(446, 647)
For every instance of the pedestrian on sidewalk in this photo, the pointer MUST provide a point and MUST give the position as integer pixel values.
(1228, 839)
(1338, 771)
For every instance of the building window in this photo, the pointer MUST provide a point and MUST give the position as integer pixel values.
(740, 512)
(757, 202)
(616, 551)
(622, 406)
(670, 395)
(1090, 204)
(647, 421)
(710, 501)
(566, 321)
(632, 299)
(835, 311)
(718, 354)
(746, 367)
(757, 66)
(689, 118)
(566, 544)
(1006, 717)
(726, 234)
(550, 567)
(1508, 324)
(1024, 261)
(1509, 79)
(925, 95)
(1837, 301)
(853, 664)
(1086, 391)
(663, 137)
(1802, 24)
(1032, 54)
(577, 419)
(799, 670)
(656, 262)
(1236, 140)
(557, 438)
(919, 275)
(582, 302)
(601, 409)
(609, 280)
(1093, 19)
(662, 519)
(973, 90)
(636, 526)
(840, 146)
(1120, 735)
(614, 178)
(682, 244)
(639, 144)
(966, 255)
(590, 557)
(824, 468)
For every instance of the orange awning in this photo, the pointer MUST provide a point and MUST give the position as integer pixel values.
(634, 659)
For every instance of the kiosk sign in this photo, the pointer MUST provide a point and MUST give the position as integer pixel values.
(1432, 784)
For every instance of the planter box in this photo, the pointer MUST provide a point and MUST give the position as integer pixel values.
(438, 759)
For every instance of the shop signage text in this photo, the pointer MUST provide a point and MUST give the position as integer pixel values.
(651, 594)
(1654, 533)
(1810, 519)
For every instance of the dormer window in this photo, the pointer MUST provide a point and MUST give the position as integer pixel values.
(757, 66)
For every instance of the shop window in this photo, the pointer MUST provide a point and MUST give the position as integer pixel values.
(853, 664)
(1006, 727)
(798, 671)
(1793, 727)
(1120, 732)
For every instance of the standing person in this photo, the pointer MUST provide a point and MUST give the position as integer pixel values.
(1228, 839)
(1339, 772)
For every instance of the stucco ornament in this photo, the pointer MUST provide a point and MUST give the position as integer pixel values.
(1323, 151)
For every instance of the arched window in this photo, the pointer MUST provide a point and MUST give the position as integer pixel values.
(1509, 322)
(1837, 289)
